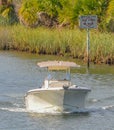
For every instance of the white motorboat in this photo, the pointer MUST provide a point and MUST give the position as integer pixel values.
(57, 95)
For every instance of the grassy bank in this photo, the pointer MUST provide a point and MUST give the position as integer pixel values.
(58, 42)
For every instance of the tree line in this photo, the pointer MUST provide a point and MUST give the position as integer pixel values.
(33, 13)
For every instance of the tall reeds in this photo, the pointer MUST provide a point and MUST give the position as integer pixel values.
(59, 42)
(102, 47)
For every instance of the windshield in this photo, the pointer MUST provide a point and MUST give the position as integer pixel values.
(58, 75)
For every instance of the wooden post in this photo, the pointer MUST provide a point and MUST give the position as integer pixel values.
(88, 47)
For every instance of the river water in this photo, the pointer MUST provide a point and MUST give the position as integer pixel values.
(19, 73)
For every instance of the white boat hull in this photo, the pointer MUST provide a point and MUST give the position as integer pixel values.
(60, 100)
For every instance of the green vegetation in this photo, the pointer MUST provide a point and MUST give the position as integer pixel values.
(61, 11)
(68, 11)
(57, 39)
(7, 14)
(70, 42)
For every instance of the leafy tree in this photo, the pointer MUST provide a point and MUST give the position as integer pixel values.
(91, 7)
(29, 9)
(68, 11)
(110, 11)
(51, 7)
(7, 13)
(110, 16)
(28, 12)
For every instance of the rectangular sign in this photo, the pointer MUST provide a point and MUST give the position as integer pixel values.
(88, 21)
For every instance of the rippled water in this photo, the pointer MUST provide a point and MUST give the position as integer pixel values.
(19, 73)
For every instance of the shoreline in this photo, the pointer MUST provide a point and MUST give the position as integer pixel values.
(65, 57)
(61, 42)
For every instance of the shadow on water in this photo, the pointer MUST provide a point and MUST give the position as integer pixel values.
(94, 69)
(59, 115)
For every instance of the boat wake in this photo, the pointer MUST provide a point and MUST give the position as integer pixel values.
(55, 112)
(108, 107)
(13, 109)
(101, 109)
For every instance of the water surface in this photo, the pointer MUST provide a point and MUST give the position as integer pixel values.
(19, 73)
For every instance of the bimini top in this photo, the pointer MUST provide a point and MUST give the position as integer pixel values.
(57, 65)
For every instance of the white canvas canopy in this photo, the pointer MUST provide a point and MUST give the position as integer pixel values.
(57, 65)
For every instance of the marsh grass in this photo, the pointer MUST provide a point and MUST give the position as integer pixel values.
(102, 47)
(58, 42)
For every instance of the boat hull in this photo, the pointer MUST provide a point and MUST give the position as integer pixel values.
(60, 100)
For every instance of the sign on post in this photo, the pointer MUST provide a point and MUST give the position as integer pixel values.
(88, 22)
